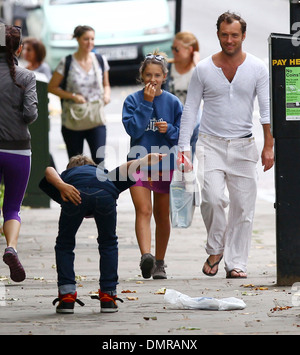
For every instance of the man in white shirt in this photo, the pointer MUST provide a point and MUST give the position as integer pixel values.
(228, 83)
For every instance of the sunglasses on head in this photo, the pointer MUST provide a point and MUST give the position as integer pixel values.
(160, 58)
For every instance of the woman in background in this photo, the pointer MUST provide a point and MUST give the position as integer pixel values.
(81, 85)
(34, 53)
(186, 54)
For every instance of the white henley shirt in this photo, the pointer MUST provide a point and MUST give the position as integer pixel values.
(228, 106)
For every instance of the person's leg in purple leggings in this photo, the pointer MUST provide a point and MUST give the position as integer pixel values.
(15, 170)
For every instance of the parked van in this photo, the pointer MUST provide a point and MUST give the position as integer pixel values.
(125, 30)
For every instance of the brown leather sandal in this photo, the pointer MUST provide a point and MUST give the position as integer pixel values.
(212, 266)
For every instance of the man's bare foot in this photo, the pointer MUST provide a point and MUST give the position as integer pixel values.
(236, 274)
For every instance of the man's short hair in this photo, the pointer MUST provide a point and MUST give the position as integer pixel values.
(230, 17)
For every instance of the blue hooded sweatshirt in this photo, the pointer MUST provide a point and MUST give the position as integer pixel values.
(139, 118)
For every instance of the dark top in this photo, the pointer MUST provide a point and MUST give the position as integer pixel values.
(89, 176)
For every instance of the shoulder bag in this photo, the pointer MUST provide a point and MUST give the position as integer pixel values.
(80, 117)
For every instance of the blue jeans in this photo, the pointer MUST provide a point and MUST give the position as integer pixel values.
(102, 206)
(95, 138)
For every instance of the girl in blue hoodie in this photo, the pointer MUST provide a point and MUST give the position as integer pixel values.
(152, 119)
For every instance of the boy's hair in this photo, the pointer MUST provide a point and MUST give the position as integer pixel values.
(80, 160)
(155, 57)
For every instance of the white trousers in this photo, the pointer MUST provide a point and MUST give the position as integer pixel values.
(228, 163)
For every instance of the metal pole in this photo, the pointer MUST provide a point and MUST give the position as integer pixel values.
(294, 15)
(2, 35)
(286, 131)
(178, 16)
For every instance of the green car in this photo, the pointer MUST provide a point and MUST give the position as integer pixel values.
(125, 30)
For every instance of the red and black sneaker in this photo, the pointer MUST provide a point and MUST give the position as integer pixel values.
(66, 303)
(107, 302)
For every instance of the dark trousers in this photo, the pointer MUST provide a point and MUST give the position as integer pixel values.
(102, 205)
(95, 138)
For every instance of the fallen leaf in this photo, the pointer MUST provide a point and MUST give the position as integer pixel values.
(247, 285)
(132, 298)
(188, 328)
(278, 308)
(80, 278)
(247, 294)
(128, 291)
(161, 291)
(254, 287)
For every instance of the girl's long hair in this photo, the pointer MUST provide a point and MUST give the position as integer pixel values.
(13, 37)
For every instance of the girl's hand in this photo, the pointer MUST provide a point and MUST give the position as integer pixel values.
(184, 163)
(151, 159)
(162, 126)
(149, 92)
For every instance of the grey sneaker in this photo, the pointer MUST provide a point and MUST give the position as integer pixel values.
(159, 270)
(17, 272)
(147, 265)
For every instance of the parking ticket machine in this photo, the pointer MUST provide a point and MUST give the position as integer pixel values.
(285, 124)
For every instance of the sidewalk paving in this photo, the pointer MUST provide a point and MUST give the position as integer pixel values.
(28, 309)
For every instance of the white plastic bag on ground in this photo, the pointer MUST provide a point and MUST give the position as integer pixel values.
(177, 300)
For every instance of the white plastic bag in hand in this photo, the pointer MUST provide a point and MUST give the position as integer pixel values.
(184, 196)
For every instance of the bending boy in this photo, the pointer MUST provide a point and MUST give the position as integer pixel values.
(85, 189)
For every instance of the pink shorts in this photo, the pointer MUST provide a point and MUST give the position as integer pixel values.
(155, 181)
